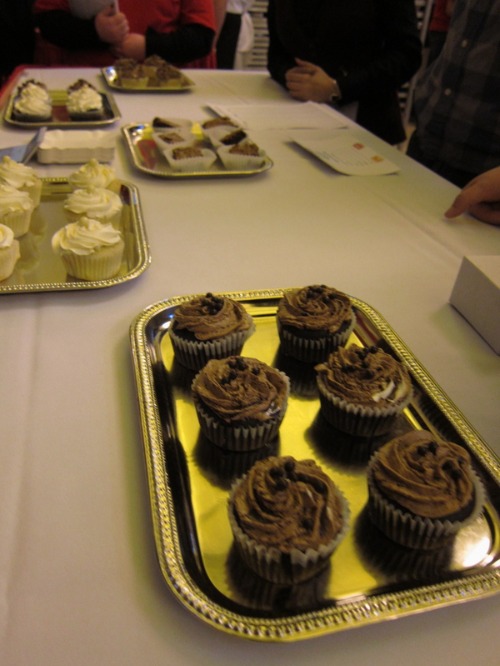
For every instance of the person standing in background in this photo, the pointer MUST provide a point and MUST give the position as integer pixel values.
(17, 36)
(438, 28)
(227, 44)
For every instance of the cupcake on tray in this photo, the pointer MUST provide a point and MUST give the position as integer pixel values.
(362, 390)
(207, 327)
(22, 177)
(89, 250)
(92, 174)
(287, 518)
(84, 101)
(313, 321)
(16, 209)
(240, 402)
(243, 156)
(190, 158)
(98, 203)
(134, 77)
(32, 102)
(422, 490)
(9, 252)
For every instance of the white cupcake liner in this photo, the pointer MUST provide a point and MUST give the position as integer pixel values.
(190, 164)
(216, 134)
(100, 265)
(8, 259)
(358, 420)
(276, 566)
(233, 437)
(186, 137)
(239, 162)
(19, 221)
(312, 350)
(413, 531)
(194, 354)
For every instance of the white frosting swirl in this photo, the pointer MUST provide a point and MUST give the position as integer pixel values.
(12, 199)
(94, 202)
(6, 236)
(16, 174)
(84, 237)
(33, 100)
(84, 99)
(92, 174)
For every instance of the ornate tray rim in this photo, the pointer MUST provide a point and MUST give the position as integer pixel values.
(219, 173)
(346, 615)
(108, 98)
(142, 246)
(109, 73)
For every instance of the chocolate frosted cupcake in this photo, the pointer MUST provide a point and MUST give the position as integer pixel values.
(208, 327)
(313, 321)
(362, 390)
(287, 517)
(422, 490)
(240, 402)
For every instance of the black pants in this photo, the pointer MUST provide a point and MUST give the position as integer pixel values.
(228, 41)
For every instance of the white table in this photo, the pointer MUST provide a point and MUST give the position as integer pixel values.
(79, 581)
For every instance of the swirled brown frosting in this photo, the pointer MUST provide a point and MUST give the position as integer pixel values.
(315, 308)
(210, 317)
(429, 477)
(242, 389)
(365, 376)
(287, 503)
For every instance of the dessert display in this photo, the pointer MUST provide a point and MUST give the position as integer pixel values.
(362, 390)
(240, 402)
(92, 174)
(32, 102)
(16, 209)
(9, 252)
(89, 250)
(190, 158)
(21, 177)
(313, 321)
(84, 101)
(209, 326)
(152, 72)
(287, 518)
(422, 490)
(98, 203)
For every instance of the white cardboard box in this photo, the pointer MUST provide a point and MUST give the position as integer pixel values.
(476, 295)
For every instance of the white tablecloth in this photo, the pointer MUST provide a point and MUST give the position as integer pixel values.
(79, 581)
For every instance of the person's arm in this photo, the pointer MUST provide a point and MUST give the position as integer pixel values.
(480, 198)
(189, 42)
(279, 60)
(220, 7)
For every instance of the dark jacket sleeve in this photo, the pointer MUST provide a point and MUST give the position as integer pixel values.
(67, 31)
(279, 60)
(189, 42)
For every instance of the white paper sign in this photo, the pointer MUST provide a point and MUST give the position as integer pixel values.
(87, 9)
(347, 154)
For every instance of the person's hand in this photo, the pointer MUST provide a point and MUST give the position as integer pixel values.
(111, 26)
(480, 198)
(309, 83)
(132, 46)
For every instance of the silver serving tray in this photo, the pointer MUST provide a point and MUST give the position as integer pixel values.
(146, 157)
(369, 579)
(176, 86)
(39, 269)
(60, 117)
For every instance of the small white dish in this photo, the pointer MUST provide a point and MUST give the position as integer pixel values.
(76, 146)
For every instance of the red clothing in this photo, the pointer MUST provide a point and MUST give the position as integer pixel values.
(160, 15)
(440, 19)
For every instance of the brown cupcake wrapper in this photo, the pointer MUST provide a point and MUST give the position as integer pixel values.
(358, 420)
(312, 350)
(194, 354)
(285, 568)
(413, 531)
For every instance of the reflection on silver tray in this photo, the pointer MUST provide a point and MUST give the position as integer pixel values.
(181, 84)
(39, 269)
(60, 117)
(369, 579)
(146, 157)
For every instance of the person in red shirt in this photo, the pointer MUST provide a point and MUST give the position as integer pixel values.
(182, 32)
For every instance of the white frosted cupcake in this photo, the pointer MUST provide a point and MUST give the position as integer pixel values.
(32, 102)
(84, 101)
(22, 177)
(9, 252)
(97, 203)
(16, 209)
(89, 250)
(92, 174)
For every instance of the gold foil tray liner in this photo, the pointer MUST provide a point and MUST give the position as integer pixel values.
(369, 579)
(40, 269)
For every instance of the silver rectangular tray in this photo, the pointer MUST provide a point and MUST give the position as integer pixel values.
(146, 157)
(370, 579)
(183, 84)
(39, 269)
(60, 117)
